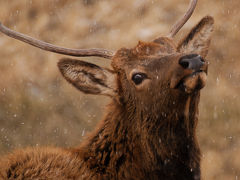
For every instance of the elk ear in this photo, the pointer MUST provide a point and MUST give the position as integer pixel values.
(87, 77)
(198, 40)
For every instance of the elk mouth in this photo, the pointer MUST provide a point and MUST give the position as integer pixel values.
(192, 82)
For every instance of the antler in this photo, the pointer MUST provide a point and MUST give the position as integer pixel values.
(183, 20)
(87, 52)
(56, 49)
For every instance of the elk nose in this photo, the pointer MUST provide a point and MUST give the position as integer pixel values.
(192, 61)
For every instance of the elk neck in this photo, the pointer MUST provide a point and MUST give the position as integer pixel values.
(128, 133)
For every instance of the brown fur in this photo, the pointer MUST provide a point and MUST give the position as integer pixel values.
(149, 130)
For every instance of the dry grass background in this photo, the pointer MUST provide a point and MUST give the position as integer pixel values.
(38, 107)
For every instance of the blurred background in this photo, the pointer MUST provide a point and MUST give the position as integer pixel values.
(38, 107)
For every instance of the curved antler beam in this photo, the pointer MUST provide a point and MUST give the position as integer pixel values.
(179, 24)
(56, 49)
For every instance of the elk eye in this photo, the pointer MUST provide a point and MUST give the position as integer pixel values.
(138, 78)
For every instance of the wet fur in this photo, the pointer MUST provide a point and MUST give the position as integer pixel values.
(139, 137)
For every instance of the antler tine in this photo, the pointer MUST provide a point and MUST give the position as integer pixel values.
(56, 49)
(183, 20)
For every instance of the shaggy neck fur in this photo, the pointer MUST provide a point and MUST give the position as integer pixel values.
(125, 143)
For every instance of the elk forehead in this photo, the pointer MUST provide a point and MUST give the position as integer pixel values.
(160, 46)
(144, 50)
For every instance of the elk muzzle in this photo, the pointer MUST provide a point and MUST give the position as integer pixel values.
(193, 74)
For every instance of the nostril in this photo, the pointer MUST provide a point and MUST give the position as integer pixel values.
(192, 61)
(201, 59)
(184, 63)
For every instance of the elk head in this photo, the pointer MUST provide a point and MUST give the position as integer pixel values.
(150, 72)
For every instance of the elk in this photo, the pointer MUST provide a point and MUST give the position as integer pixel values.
(149, 129)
